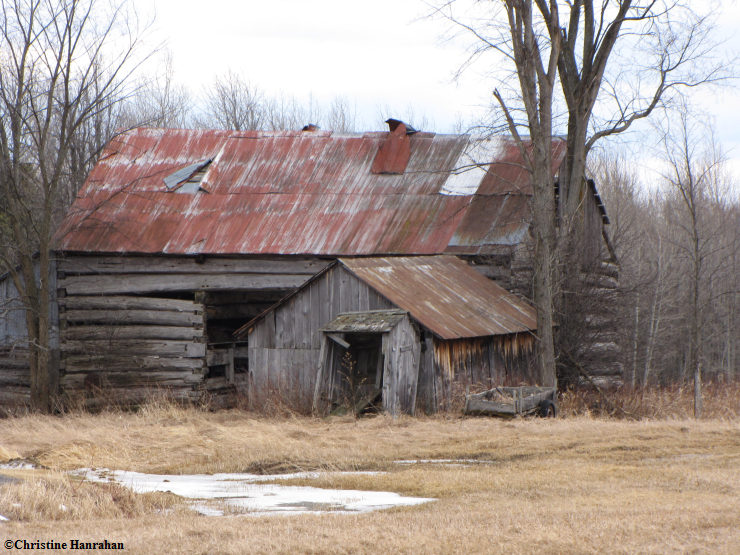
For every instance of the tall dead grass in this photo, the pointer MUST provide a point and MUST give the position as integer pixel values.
(720, 400)
(54, 495)
(578, 484)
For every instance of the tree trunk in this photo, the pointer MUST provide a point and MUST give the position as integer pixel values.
(697, 391)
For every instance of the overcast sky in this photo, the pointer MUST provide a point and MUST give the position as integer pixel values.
(383, 56)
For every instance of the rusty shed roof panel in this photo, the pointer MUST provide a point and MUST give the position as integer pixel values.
(445, 295)
(290, 193)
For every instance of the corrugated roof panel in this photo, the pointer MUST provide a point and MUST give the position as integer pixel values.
(285, 193)
(445, 295)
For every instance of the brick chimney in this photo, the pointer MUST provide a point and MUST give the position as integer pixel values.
(393, 155)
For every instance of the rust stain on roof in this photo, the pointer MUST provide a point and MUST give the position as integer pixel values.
(294, 193)
(445, 295)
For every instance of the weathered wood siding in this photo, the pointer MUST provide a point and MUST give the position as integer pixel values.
(135, 325)
(15, 373)
(479, 363)
(123, 348)
(401, 349)
(12, 314)
(284, 346)
(125, 275)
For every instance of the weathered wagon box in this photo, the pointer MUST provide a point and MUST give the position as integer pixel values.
(513, 401)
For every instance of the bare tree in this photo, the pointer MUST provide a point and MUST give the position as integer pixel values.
(666, 41)
(691, 177)
(341, 116)
(159, 102)
(64, 63)
(233, 103)
(524, 42)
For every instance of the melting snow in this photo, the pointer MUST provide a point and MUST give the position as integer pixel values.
(217, 493)
(450, 462)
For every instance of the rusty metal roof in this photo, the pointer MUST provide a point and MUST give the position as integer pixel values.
(445, 295)
(299, 193)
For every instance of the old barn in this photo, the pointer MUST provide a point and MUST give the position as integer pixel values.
(179, 237)
(398, 333)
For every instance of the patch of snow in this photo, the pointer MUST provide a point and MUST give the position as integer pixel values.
(245, 492)
(18, 464)
(471, 166)
(450, 462)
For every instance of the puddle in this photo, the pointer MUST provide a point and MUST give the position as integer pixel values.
(219, 494)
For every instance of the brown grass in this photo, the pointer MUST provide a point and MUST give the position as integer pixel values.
(720, 400)
(42, 496)
(569, 485)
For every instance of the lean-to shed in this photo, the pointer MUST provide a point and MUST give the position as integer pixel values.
(397, 332)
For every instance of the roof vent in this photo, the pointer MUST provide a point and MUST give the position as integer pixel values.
(394, 123)
(394, 153)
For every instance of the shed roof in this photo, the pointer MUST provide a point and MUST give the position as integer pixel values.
(443, 293)
(309, 192)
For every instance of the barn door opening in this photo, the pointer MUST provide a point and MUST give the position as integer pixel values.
(353, 374)
(360, 372)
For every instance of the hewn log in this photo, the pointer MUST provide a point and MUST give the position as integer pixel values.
(105, 362)
(143, 283)
(133, 316)
(124, 348)
(78, 380)
(78, 302)
(165, 265)
(131, 332)
(19, 377)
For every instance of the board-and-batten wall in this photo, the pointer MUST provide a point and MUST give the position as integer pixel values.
(284, 345)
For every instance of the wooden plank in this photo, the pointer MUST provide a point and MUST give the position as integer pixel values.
(134, 316)
(166, 265)
(230, 366)
(338, 339)
(15, 377)
(143, 283)
(76, 380)
(345, 291)
(140, 347)
(88, 363)
(78, 302)
(320, 305)
(319, 405)
(354, 293)
(364, 296)
(131, 332)
(301, 323)
(285, 325)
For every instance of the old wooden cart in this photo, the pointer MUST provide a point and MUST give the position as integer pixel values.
(513, 401)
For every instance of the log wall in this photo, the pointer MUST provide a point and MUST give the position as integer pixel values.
(135, 325)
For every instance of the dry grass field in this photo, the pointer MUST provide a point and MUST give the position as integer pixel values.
(580, 483)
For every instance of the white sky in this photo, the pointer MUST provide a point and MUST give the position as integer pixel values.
(383, 56)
